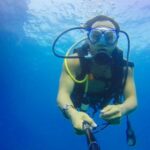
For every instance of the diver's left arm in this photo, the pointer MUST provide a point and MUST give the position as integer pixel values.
(113, 113)
(130, 102)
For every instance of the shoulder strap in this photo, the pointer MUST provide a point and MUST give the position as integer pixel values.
(85, 65)
(119, 75)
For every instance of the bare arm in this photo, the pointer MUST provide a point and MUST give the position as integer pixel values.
(65, 88)
(130, 102)
(113, 113)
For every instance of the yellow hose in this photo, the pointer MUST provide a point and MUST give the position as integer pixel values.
(66, 64)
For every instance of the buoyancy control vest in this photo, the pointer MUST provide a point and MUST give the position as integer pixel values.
(113, 91)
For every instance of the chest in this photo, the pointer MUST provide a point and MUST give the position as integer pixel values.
(101, 79)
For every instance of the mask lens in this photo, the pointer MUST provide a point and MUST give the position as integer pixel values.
(104, 36)
(95, 35)
(110, 37)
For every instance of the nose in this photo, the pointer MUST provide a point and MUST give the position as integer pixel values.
(102, 40)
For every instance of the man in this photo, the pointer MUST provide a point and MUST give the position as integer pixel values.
(105, 80)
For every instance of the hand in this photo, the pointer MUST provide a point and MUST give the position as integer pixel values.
(112, 113)
(77, 119)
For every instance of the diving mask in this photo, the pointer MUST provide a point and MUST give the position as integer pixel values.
(109, 37)
(103, 36)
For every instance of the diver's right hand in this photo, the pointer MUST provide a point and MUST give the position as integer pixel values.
(77, 119)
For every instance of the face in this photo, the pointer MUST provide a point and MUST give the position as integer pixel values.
(95, 47)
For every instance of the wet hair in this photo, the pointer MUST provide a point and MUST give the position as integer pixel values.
(90, 22)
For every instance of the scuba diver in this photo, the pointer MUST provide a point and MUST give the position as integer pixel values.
(96, 75)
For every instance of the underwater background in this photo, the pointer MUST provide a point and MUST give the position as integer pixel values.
(29, 72)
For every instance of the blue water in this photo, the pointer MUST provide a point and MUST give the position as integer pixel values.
(29, 76)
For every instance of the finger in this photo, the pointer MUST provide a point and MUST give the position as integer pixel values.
(110, 112)
(111, 115)
(90, 121)
(78, 125)
(79, 132)
(107, 108)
